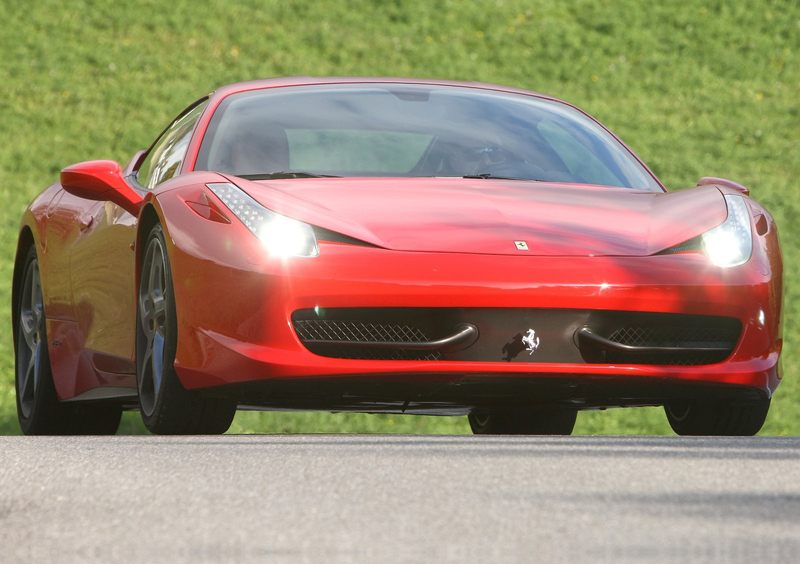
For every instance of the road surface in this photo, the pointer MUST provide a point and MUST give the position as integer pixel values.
(379, 498)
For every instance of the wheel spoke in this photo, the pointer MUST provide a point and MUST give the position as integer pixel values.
(34, 292)
(37, 307)
(29, 308)
(28, 385)
(160, 310)
(145, 381)
(28, 328)
(144, 305)
(146, 359)
(155, 267)
(152, 308)
(146, 316)
(37, 364)
(158, 361)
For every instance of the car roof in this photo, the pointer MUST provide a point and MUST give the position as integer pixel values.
(260, 84)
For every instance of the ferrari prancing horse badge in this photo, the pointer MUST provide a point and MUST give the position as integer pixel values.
(531, 341)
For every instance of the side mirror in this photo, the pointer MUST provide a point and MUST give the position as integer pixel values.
(706, 180)
(101, 180)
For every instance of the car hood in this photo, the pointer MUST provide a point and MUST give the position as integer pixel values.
(490, 216)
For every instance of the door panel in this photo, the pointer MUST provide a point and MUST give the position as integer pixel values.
(63, 228)
(65, 215)
(102, 267)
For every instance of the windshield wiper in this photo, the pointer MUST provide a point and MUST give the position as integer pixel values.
(487, 175)
(283, 174)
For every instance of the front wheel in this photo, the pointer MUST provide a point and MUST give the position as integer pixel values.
(542, 422)
(167, 407)
(726, 418)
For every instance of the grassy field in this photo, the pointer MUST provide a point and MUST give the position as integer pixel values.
(696, 88)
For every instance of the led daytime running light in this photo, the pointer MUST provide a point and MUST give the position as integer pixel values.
(731, 243)
(281, 235)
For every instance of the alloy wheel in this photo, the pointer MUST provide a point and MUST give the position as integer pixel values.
(153, 320)
(29, 341)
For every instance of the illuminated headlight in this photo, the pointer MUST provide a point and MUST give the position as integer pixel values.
(730, 244)
(281, 235)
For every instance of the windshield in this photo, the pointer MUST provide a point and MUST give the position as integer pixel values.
(379, 130)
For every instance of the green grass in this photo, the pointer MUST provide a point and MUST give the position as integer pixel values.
(697, 88)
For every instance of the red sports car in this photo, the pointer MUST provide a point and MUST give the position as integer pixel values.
(392, 245)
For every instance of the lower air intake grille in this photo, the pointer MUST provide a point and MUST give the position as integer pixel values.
(721, 334)
(668, 339)
(355, 331)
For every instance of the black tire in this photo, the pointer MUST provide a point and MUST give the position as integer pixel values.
(167, 407)
(544, 422)
(38, 409)
(724, 418)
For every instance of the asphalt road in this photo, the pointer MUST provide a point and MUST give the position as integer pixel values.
(334, 498)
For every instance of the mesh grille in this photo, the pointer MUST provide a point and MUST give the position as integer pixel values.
(722, 337)
(355, 331)
(717, 337)
(326, 330)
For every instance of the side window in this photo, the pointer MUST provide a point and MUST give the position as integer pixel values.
(579, 160)
(166, 156)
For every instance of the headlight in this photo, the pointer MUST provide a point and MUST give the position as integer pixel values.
(730, 244)
(282, 236)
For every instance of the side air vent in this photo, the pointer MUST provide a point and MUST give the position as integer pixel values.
(323, 234)
(691, 245)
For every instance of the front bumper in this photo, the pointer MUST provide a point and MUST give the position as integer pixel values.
(235, 312)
